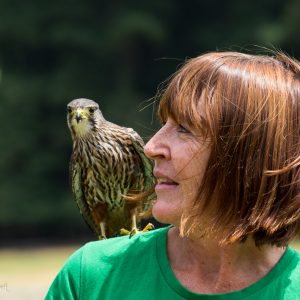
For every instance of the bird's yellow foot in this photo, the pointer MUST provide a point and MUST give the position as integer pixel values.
(101, 237)
(134, 230)
(147, 228)
(124, 231)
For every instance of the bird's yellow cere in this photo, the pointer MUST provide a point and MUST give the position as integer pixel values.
(80, 122)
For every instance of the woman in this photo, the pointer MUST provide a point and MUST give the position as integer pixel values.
(227, 164)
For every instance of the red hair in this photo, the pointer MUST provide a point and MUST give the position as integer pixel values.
(251, 185)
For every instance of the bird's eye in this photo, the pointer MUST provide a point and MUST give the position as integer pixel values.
(91, 110)
(69, 109)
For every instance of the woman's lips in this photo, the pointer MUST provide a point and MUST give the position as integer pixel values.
(165, 184)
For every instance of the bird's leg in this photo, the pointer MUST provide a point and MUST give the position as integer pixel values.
(102, 229)
(134, 229)
(98, 213)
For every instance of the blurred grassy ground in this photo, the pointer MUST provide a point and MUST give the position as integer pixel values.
(26, 274)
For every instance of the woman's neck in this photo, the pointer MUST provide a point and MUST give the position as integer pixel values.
(203, 266)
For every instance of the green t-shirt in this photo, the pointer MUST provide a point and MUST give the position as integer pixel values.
(138, 268)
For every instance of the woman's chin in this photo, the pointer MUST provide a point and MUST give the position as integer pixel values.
(166, 213)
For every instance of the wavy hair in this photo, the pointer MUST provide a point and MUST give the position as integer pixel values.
(251, 186)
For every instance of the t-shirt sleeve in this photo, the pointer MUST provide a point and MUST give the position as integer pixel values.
(66, 285)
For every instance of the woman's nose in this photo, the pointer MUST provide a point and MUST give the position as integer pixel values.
(157, 147)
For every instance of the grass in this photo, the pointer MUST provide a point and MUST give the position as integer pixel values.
(296, 245)
(26, 274)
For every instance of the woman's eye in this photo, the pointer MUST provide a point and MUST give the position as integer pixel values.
(182, 129)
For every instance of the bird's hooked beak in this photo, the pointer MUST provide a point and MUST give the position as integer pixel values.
(79, 115)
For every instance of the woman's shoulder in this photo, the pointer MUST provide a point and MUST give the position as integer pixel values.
(294, 263)
(119, 248)
(121, 243)
(100, 259)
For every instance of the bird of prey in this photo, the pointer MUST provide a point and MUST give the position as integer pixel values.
(108, 168)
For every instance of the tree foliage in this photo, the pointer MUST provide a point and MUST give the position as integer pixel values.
(114, 52)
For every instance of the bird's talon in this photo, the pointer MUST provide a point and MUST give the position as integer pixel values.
(148, 227)
(124, 231)
(133, 232)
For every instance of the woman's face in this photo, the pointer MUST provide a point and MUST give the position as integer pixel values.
(180, 158)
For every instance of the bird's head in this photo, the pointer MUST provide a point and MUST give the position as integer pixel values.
(83, 116)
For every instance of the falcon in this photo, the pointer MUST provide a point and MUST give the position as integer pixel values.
(111, 177)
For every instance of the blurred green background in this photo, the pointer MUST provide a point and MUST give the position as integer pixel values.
(115, 52)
